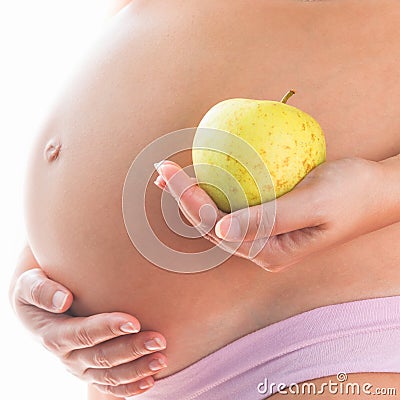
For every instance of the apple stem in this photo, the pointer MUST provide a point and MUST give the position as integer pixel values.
(288, 95)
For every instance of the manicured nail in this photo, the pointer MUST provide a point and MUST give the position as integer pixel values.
(157, 164)
(129, 328)
(229, 229)
(160, 183)
(155, 344)
(144, 384)
(157, 364)
(59, 299)
(159, 180)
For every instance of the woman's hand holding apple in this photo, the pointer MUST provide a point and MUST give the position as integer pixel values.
(336, 202)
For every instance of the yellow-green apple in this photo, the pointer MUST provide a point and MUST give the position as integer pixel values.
(246, 152)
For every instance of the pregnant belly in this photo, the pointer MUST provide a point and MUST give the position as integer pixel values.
(77, 233)
(116, 105)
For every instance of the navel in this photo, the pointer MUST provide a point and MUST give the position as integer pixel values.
(52, 150)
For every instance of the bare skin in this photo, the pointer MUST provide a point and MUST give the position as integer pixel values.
(151, 75)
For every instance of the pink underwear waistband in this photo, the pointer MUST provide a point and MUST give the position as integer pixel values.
(359, 336)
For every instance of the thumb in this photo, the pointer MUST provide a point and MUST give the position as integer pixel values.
(294, 210)
(33, 287)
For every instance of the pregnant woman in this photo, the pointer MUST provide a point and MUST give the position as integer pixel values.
(158, 68)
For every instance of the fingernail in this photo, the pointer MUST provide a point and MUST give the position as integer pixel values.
(160, 183)
(158, 164)
(129, 328)
(59, 299)
(157, 364)
(145, 384)
(159, 180)
(229, 229)
(154, 344)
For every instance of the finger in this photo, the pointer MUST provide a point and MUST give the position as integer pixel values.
(160, 183)
(285, 250)
(281, 251)
(127, 373)
(33, 287)
(118, 351)
(78, 332)
(193, 201)
(130, 389)
(294, 210)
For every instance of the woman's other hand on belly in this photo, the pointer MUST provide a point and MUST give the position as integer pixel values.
(106, 350)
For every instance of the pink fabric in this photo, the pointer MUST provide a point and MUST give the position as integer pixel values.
(360, 336)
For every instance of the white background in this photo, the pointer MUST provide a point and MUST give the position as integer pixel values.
(41, 41)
